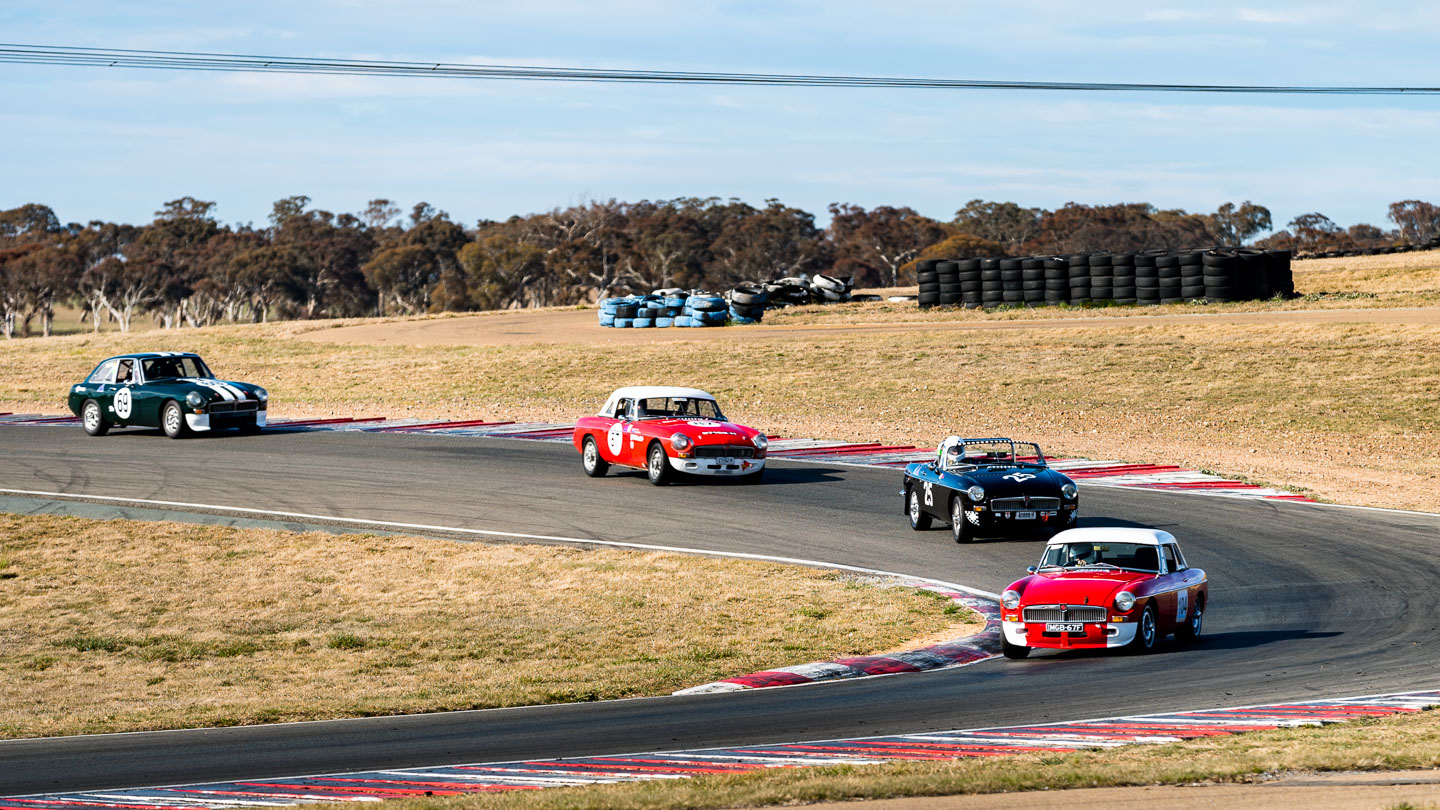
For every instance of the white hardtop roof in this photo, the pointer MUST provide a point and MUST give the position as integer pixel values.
(658, 392)
(1110, 534)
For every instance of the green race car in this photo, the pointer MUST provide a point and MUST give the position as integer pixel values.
(173, 391)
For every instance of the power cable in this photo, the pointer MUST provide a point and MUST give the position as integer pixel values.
(251, 63)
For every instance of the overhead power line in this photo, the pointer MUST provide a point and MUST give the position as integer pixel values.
(251, 63)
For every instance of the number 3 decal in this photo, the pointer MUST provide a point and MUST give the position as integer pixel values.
(929, 493)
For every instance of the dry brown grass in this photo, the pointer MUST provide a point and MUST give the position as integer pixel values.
(1400, 743)
(120, 625)
(1338, 407)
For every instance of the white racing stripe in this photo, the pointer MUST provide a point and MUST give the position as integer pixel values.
(390, 524)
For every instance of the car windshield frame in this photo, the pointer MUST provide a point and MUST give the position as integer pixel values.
(146, 364)
(994, 454)
(1101, 556)
(671, 408)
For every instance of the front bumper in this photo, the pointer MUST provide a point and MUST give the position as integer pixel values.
(201, 422)
(988, 523)
(729, 467)
(1096, 637)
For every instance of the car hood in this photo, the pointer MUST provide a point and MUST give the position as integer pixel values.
(705, 431)
(1017, 481)
(1077, 587)
(212, 390)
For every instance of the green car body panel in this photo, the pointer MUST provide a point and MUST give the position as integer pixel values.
(132, 390)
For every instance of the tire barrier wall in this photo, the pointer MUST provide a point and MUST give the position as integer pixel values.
(744, 304)
(535, 774)
(1374, 250)
(1147, 279)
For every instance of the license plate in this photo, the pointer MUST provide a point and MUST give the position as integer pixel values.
(1024, 515)
(725, 461)
(1064, 627)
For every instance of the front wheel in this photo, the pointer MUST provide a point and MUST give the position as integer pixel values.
(919, 521)
(657, 466)
(959, 526)
(93, 420)
(172, 421)
(1147, 632)
(1014, 651)
(590, 459)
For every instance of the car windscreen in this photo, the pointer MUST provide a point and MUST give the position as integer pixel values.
(169, 368)
(682, 407)
(1133, 556)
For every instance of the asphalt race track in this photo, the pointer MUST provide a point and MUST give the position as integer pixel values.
(1307, 601)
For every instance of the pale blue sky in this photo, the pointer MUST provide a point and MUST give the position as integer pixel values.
(114, 144)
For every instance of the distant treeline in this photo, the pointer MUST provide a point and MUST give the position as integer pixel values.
(187, 269)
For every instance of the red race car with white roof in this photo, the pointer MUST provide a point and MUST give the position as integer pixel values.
(667, 430)
(1097, 588)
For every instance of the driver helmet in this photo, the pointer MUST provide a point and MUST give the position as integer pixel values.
(951, 452)
(1081, 551)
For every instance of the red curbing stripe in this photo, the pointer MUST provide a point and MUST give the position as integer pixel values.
(437, 425)
(760, 680)
(865, 447)
(1126, 469)
(1197, 485)
(876, 664)
(339, 420)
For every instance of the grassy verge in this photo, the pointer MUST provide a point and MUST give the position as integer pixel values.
(122, 626)
(1400, 743)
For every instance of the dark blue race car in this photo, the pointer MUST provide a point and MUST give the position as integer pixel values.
(989, 488)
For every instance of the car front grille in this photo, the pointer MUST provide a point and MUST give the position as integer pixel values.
(232, 407)
(724, 451)
(1018, 504)
(1074, 613)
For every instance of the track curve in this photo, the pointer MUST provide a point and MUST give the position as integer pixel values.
(1307, 601)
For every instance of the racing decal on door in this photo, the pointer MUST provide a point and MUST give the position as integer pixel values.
(929, 493)
(123, 402)
(1182, 603)
(615, 438)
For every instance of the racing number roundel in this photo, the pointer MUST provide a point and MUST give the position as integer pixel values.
(615, 438)
(122, 403)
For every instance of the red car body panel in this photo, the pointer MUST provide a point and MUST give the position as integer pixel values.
(627, 442)
(1175, 594)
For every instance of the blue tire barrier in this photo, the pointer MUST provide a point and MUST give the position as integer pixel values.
(683, 320)
(675, 301)
(643, 323)
(607, 320)
(744, 320)
(624, 323)
(664, 321)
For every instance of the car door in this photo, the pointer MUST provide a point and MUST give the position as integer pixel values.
(148, 398)
(612, 440)
(934, 497)
(634, 438)
(1188, 580)
(1174, 604)
(122, 393)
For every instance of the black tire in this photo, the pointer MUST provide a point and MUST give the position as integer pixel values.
(959, 526)
(172, 420)
(1193, 291)
(1147, 631)
(946, 287)
(1013, 651)
(93, 419)
(591, 461)
(748, 296)
(657, 465)
(626, 310)
(919, 521)
(929, 286)
(1190, 630)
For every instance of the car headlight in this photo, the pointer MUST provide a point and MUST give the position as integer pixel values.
(1070, 491)
(195, 400)
(262, 395)
(976, 492)
(761, 441)
(680, 441)
(1010, 599)
(1124, 600)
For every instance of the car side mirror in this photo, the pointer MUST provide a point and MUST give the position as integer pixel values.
(1032, 569)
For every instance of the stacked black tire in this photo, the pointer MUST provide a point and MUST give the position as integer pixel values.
(1150, 278)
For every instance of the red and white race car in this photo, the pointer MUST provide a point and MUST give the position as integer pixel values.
(1104, 587)
(666, 430)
